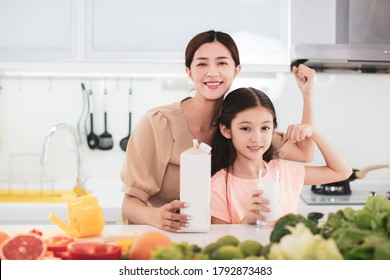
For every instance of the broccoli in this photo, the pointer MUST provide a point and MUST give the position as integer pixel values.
(291, 219)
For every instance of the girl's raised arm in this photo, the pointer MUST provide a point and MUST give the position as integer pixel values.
(336, 168)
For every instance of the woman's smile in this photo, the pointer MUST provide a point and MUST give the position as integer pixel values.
(213, 84)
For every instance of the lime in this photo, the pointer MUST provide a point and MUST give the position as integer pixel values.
(210, 248)
(228, 240)
(227, 252)
(266, 249)
(250, 248)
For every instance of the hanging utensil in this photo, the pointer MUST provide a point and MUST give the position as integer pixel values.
(105, 139)
(123, 142)
(92, 138)
(84, 111)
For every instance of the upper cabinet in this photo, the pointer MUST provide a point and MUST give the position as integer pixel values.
(138, 33)
(39, 30)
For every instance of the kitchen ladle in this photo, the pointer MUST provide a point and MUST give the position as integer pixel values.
(92, 138)
(123, 142)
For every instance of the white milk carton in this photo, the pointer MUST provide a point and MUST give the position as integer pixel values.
(195, 186)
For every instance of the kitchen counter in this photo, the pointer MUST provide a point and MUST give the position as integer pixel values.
(361, 191)
(112, 232)
(305, 208)
(107, 191)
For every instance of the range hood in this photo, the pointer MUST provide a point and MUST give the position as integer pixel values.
(362, 40)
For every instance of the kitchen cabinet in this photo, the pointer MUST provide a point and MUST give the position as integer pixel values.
(160, 30)
(39, 30)
(104, 36)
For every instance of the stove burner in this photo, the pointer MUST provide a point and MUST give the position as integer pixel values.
(337, 188)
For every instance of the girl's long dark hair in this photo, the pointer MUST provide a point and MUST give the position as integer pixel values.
(223, 152)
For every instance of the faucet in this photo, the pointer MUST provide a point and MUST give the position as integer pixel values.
(79, 188)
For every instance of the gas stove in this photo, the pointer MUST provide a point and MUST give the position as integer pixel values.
(361, 190)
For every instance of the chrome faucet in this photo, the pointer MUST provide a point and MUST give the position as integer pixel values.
(79, 188)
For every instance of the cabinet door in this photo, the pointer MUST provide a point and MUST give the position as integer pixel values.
(151, 30)
(39, 29)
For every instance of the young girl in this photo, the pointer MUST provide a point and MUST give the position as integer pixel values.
(243, 144)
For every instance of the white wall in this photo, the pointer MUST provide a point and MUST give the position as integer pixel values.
(352, 110)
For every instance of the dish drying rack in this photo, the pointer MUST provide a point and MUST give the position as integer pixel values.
(32, 185)
(27, 190)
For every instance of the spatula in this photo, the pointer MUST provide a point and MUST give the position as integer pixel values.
(105, 139)
(123, 142)
(92, 138)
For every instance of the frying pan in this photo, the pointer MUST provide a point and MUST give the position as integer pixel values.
(343, 187)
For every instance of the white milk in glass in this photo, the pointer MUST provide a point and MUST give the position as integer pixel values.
(269, 183)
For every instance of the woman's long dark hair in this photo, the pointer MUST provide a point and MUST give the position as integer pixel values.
(208, 37)
(223, 152)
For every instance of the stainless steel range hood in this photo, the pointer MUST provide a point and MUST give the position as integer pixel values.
(362, 40)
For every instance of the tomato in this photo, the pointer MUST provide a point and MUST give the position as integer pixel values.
(58, 244)
(36, 231)
(93, 251)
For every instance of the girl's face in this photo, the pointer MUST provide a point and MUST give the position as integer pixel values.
(212, 70)
(251, 132)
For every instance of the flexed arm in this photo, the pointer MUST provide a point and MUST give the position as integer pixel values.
(303, 148)
(336, 168)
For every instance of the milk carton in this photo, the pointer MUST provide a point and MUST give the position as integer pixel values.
(195, 190)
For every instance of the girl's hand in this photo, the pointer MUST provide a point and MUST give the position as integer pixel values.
(166, 217)
(299, 132)
(256, 205)
(304, 77)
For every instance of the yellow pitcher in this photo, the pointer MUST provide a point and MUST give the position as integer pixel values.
(85, 217)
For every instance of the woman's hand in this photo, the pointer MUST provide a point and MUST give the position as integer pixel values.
(256, 205)
(305, 78)
(299, 132)
(166, 217)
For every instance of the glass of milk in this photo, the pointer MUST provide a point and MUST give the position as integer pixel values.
(269, 183)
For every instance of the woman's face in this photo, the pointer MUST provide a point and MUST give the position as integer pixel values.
(251, 132)
(212, 70)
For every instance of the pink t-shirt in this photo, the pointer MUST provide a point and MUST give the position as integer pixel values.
(239, 191)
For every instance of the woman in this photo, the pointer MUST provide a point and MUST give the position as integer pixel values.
(150, 173)
(242, 146)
